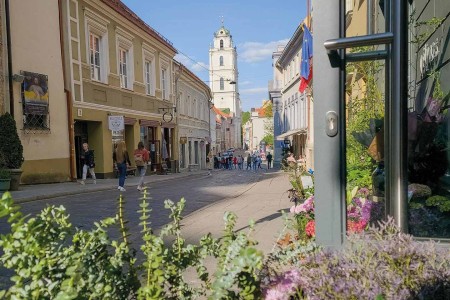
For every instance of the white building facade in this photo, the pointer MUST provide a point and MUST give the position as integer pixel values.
(223, 78)
(296, 109)
(193, 118)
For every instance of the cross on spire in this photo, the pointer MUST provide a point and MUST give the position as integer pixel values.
(221, 19)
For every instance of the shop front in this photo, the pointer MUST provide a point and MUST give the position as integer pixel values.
(382, 89)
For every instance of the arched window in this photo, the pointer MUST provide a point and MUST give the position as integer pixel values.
(221, 44)
(221, 84)
(221, 60)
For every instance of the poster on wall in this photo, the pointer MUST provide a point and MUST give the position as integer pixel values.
(35, 93)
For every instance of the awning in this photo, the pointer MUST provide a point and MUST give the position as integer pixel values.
(129, 121)
(287, 134)
(148, 123)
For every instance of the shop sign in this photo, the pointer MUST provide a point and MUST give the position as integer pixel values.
(429, 55)
(116, 123)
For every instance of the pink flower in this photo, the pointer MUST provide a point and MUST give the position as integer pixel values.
(310, 228)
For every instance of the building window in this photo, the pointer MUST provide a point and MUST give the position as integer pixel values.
(165, 78)
(148, 77)
(164, 83)
(196, 152)
(221, 44)
(222, 86)
(96, 36)
(94, 56)
(123, 71)
(149, 69)
(221, 60)
(125, 59)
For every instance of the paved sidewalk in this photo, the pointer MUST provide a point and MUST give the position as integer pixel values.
(261, 202)
(27, 193)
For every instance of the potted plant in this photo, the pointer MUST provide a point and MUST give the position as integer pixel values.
(11, 149)
(5, 179)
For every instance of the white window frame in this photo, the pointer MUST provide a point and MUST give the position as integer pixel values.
(124, 44)
(98, 28)
(165, 78)
(95, 56)
(124, 61)
(149, 58)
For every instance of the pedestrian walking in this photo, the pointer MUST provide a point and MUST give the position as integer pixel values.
(269, 160)
(122, 161)
(87, 158)
(141, 159)
(249, 162)
(235, 162)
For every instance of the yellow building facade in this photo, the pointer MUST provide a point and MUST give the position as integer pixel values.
(118, 66)
(37, 100)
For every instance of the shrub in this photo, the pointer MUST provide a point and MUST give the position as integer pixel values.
(382, 263)
(52, 260)
(5, 174)
(11, 148)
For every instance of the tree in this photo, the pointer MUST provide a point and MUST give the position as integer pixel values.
(245, 117)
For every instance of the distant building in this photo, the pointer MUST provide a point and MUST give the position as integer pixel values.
(296, 108)
(225, 130)
(193, 119)
(224, 83)
(275, 86)
(257, 127)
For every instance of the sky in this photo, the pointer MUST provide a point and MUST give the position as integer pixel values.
(257, 27)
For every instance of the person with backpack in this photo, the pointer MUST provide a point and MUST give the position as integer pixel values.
(141, 159)
(87, 158)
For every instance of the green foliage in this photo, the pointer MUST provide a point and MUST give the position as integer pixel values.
(365, 102)
(245, 117)
(52, 260)
(268, 110)
(441, 202)
(5, 174)
(238, 264)
(268, 139)
(49, 264)
(11, 149)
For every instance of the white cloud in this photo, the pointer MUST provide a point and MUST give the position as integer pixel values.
(253, 91)
(255, 51)
(191, 64)
(247, 82)
(200, 66)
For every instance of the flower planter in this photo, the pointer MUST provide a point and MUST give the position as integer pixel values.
(4, 184)
(15, 179)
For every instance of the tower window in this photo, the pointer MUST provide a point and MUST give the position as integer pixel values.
(221, 44)
(221, 84)
(221, 60)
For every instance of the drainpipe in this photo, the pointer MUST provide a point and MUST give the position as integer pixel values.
(9, 51)
(70, 120)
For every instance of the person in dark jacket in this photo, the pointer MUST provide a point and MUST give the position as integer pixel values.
(122, 161)
(87, 158)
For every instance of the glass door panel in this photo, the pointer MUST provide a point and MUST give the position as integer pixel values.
(365, 112)
(364, 17)
(428, 119)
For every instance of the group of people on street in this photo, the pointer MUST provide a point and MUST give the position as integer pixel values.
(121, 161)
(252, 161)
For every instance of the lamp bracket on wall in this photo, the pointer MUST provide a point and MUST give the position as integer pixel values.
(168, 113)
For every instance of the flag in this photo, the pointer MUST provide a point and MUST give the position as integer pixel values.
(305, 65)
